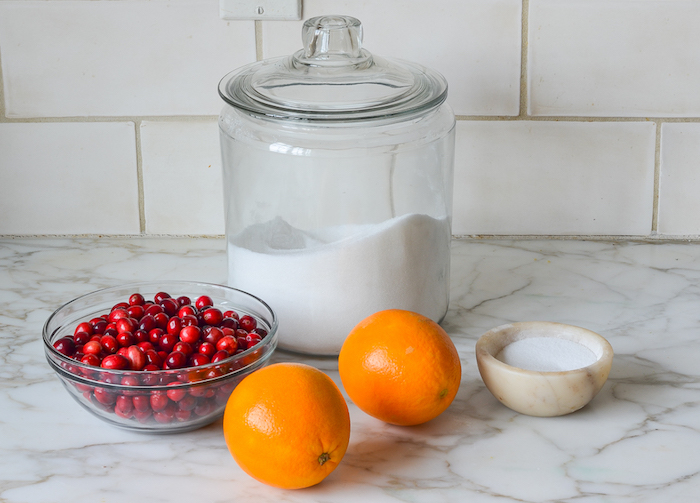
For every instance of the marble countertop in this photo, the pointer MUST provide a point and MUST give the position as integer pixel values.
(637, 441)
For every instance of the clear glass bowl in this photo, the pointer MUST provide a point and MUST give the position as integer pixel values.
(200, 392)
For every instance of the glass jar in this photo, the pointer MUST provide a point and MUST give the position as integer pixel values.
(338, 170)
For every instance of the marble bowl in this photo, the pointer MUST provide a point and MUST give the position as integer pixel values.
(202, 391)
(542, 393)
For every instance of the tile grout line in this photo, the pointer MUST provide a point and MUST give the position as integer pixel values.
(657, 179)
(258, 40)
(139, 178)
(524, 34)
(2, 91)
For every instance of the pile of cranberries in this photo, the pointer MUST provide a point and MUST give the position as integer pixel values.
(163, 334)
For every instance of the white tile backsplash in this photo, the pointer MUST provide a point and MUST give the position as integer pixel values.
(118, 58)
(475, 44)
(679, 184)
(95, 93)
(622, 58)
(535, 177)
(182, 181)
(68, 178)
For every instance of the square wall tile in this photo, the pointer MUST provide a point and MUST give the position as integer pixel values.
(679, 183)
(182, 180)
(552, 178)
(68, 178)
(475, 44)
(627, 58)
(118, 58)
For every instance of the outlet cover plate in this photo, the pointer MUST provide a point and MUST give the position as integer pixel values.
(264, 10)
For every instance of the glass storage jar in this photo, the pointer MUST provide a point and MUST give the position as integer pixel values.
(338, 170)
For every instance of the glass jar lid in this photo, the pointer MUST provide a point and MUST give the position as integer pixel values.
(333, 79)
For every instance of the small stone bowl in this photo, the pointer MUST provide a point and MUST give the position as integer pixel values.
(542, 393)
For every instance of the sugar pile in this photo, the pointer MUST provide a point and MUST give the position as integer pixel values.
(321, 284)
(546, 354)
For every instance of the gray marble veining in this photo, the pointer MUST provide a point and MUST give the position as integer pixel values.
(637, 441)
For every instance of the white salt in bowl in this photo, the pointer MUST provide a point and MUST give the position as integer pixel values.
(541, 368)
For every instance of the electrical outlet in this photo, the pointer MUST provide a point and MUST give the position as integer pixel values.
(269, 10)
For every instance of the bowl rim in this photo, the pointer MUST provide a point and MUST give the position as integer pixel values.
(531, 329)
(270, 340)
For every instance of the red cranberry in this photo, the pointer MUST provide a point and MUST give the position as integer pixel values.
(136, 312)
(188, 402)
(115, 362)
(230, 323)
(190, 334)
(174, 325)
(92, 348)
(184, 300)
(158, 298)
(149, 379)
(117, 314)
(136, 299)
(220, 355)
(247, 323)
(99, 325)
(198, 359)
(125, 405)
(141, 336)
(137, 358)
(109, 344)
(189, 320)
(126, 325)
(142, 403)
(105, 397)
(203, 301)
(261, 332)
(91, 359)
(159, 400)
(153, 309)
(170, 306)
(81, 338)
(126, 339)
(84, 327)
(212, 316)
(147, 322)
(176, 360)
(153, 358)
(111, 330)
(203, 409)
(183, 347)
(207, 349)
(212, 335)
(186, 310)
(161, 320)
(120, 305)
(231, 314)
(167, 342)
(129, 381)
(146, 345)
(176, 394)
(251, 340)
(155, 335)
(227, 343)
(166, 415)
(65, 346)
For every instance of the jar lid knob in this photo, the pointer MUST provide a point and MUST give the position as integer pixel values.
(332, 39)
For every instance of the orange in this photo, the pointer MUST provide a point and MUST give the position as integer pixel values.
(287, 425)
(400, 367)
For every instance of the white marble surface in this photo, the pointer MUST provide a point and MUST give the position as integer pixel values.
(637, 441)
